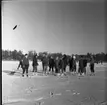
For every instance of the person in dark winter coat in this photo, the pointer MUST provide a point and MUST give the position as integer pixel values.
(71, 64)
(51, 64)
(35, 63)
(92, 66)
(45, 63)
(57, 65)
(84, 65)
(64, 64)
(25, 65)
(80, 69)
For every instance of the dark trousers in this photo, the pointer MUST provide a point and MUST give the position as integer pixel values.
(74, 68)
(92, 68)
(56, 70)
(70, 68)
(51, 67)
(34, 68)
(45, 68)
(64, 69)
(80, 70)
(25, 68)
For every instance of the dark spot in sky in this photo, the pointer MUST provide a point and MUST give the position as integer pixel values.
(15, 27)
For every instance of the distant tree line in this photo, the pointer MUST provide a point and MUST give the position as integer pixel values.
(17, 55)
(11, 55)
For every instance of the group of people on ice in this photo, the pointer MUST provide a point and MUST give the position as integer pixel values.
(57, 66)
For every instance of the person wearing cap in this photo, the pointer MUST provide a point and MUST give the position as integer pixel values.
(25, 65)
(35, 63)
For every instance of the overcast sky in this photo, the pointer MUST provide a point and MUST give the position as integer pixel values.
(67, 27)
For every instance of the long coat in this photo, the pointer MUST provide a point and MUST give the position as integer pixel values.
(35, 63)
(81, 63)
(51, 62)
(84, 62)
(71, 62)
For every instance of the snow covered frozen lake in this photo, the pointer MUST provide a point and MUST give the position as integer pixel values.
(14, 87)
(12, 65)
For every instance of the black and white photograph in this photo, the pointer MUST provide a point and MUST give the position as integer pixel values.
(54, 52)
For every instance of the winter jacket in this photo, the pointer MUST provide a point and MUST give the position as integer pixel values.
(84, 62)
(57, 63)
(25, 61)
(51, 62)
(45, 61)
(35, 63)
(64, 62)
(81, 63)
(60, 63)
(71, 61)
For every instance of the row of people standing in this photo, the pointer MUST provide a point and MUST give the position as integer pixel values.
(83, 64)
(57, 65)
